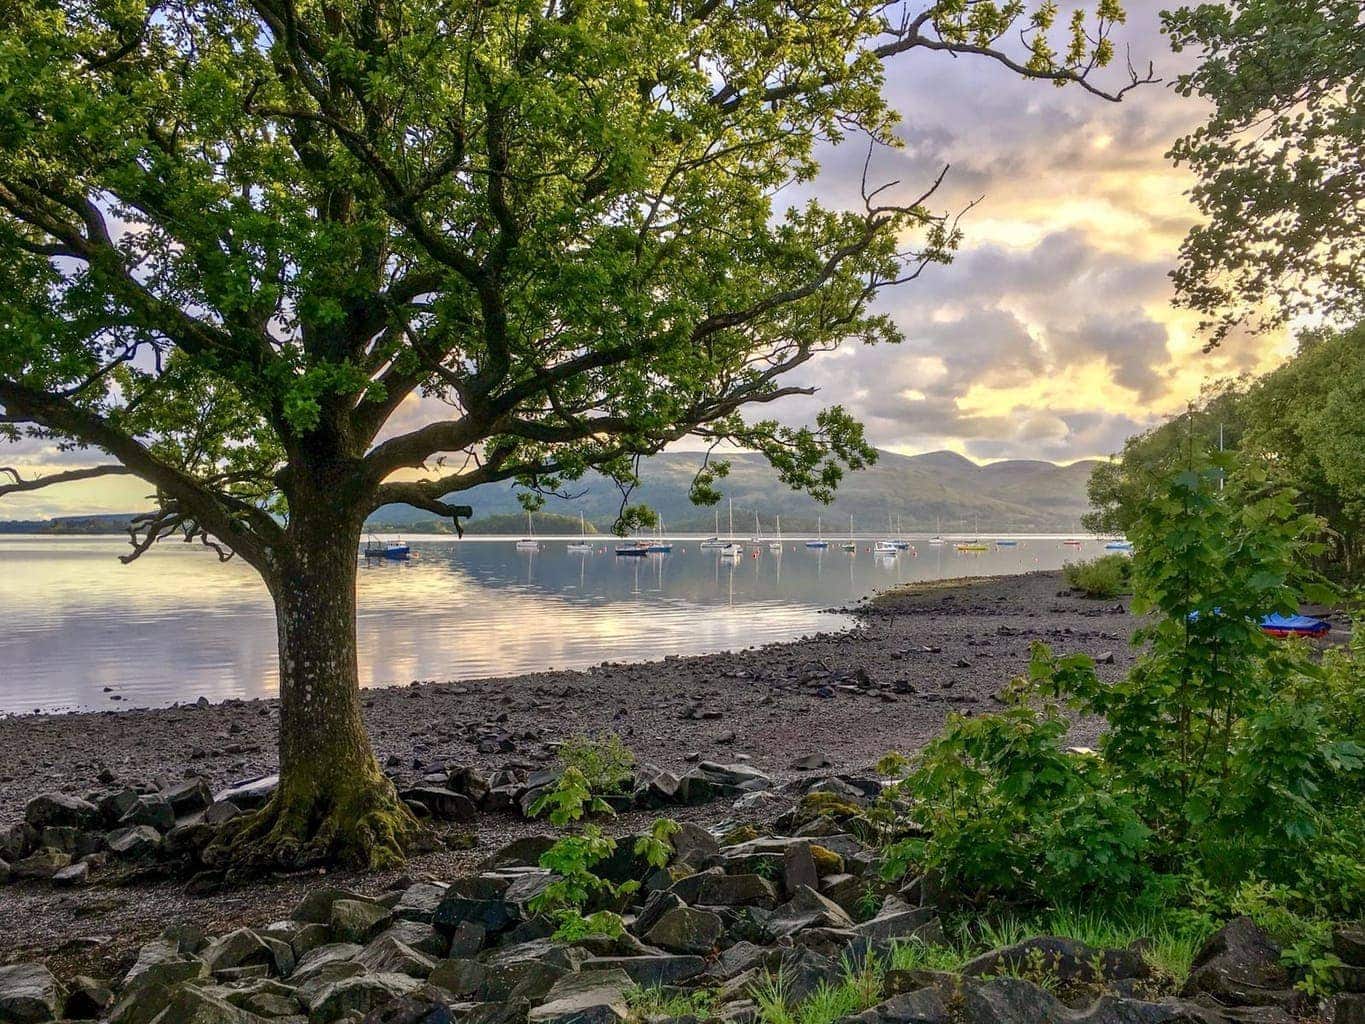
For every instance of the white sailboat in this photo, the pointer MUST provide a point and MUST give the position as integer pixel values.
(529, 542)
(937, 538)
(819, 542)
(714, 542)
(583, 544)
(776, 545)
(849, 544)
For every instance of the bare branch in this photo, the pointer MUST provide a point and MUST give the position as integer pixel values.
(52, 479)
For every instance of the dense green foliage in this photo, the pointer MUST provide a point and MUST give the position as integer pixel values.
(1102, 577)
(1232, 764)
(1278, 162)
(605, 762)
(1303, 424)
(576, 887)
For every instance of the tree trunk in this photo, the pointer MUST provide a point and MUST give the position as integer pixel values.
(333, 804)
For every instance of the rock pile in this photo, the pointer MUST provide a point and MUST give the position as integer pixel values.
(65, 839)
(734, 917)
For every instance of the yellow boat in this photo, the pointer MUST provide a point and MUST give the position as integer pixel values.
(973, 547)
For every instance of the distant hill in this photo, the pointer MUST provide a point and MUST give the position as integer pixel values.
(113, 523)
(1018, 495)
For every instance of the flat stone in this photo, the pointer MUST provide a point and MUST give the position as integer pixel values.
(251, 794)
(30, 994)
(136, 843)
(357, 920)
(239, 948)
(923, 1007)
(419, 902)
(591, 997)
(686, 930)
(715, 889)
(361, 994)
(44, 862)
(388, 955)
(649, 970)
(442, 803)
(193, 1006)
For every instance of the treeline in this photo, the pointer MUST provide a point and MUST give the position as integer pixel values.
(494, 525)
(1304, 423)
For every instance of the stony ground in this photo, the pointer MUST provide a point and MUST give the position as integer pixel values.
(844, 699)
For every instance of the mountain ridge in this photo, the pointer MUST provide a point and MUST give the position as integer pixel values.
(922, 490)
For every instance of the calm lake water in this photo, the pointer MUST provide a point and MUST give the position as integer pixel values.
(177, 625)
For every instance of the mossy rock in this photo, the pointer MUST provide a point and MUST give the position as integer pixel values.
(814, 806)
(827, 862)
(739, 834)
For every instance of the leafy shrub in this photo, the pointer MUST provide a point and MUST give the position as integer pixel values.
(575, 884)
(1103, 577)
(1231, 760)
(605, 762)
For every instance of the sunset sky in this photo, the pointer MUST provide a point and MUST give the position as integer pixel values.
(1051, 336)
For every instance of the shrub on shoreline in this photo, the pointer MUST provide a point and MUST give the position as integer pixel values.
(1104, 577)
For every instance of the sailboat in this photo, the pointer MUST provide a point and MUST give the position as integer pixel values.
(849, 545)
(529, 542)
(757, 538)
(937, 538)
(975, 543)
(659, 546)
(714, 542)
(776, 545)
(582, 544)
(819, 541)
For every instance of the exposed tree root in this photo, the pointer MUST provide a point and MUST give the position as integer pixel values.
(357, 821)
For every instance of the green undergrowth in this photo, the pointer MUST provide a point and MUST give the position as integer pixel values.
(1103, 577)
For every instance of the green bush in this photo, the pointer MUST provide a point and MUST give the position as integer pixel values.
(1233, 763)
(604, 761)
(1103, 577)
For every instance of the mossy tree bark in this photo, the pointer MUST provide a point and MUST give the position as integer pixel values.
(333, 804)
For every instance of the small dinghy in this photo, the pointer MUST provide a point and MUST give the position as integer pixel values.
(1295, 625)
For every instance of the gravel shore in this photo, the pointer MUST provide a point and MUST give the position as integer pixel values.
(918, 654)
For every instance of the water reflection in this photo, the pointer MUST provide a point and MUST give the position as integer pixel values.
(177, 625)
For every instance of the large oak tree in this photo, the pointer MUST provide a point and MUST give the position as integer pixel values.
(236, 236)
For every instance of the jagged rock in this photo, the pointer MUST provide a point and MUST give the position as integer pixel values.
(72, 875)
(694, 846)
(1348, 942)
(592, 997)
(418, 1009)
(1015, 1001)
(649, 970)
(1239, 966)
(898, 920)
(29, 994)
(442, 803)
(686, 930)
(804, 970)
(87, 998)
(240, 948)
(194, 1006)
(922, 1007)
(357, 920)
(417, 935)
(41, 863)
(188, 797)
(265, 997)
(388, 955)
(798, 868)
(524, 852)
(419, 902)
(807, 909)
(487, 909)
(1065, 959)
(1349, 1008)
(116, 804)
(141, 842)
(149, 809)
(716, 889)
(361, 994)
(47, 809)
(459, 975)
(221, 811)
(656, 904)
(316, 905)
(741, 957)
